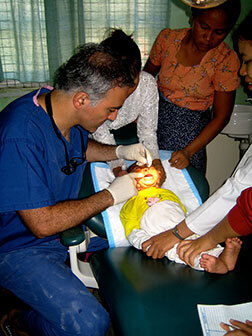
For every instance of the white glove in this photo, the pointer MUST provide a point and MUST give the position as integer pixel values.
(135, 152)
(123, 187)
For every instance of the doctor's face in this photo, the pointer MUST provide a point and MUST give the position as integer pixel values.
(94, 116)
(245, 50)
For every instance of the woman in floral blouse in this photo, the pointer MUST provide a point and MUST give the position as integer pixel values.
(196, 70)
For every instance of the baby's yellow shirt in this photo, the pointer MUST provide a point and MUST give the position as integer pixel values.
(133, 210)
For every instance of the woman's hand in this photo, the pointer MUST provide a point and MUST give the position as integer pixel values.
(157, 164)
(180, 159)
(156, 246)
(243, 329)
(189, 249)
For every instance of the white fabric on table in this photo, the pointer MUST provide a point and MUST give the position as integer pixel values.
(178, 181)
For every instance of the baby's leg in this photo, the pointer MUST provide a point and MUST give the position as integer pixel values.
(226, 261)
(231, 251)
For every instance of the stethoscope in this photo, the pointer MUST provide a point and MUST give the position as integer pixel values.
(73, 163)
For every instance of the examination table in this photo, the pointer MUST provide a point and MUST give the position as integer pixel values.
(147, 297)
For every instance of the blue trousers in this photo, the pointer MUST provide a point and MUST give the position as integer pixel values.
(60, 304)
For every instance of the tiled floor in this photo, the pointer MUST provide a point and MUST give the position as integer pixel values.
(8, 301)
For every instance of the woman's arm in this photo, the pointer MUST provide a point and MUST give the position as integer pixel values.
(151, 68)
(156, 246)
(147, 106)
(189, 249)
(146, 103)
(222, 108)
(236, 223)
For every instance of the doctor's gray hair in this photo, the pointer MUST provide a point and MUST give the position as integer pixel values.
(93, 69)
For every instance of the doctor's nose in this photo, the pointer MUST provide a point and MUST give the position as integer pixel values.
(112, 116)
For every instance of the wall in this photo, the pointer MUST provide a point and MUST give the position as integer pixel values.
(222, 152)
(7, 96)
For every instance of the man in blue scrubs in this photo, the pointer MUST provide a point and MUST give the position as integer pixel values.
(44, 147)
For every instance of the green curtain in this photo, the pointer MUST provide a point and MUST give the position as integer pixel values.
(1, 71)
(23, 48)
(36, 36)
(65, 30)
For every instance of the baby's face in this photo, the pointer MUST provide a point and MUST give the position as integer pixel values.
(149, 179)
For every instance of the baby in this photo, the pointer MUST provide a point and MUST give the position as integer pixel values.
(155, 210)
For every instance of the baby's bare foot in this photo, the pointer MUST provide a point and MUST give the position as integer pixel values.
(233, 243)
(226, 261)
(231, 251)
(212, 264)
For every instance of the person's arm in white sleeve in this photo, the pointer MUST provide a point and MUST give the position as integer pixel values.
(209, 214)
(220, 203)
(148, 114)
(148, 119)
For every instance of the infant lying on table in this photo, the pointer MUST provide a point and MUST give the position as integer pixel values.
(154, 210)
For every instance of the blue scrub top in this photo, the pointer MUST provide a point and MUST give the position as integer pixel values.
(31, 158)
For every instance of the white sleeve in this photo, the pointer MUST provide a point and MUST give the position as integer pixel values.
(137, 237)
(222, 201)
(148, 114)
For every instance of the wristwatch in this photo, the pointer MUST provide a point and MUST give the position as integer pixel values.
(176, 234)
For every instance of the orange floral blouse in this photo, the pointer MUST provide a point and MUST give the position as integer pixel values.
(193, 87)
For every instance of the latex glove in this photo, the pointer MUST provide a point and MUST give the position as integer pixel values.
(124, 187)
(135, 152)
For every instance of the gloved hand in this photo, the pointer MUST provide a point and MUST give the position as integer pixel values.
(123, 187)
(135, 152)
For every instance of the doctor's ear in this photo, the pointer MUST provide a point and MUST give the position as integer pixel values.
(80, 99)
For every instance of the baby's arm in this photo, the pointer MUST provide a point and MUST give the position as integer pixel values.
(137, 237)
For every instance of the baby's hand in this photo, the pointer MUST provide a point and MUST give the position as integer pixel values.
(152, 200)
